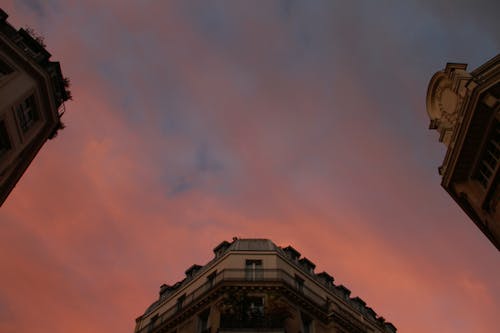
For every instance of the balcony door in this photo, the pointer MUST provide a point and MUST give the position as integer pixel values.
(253, 270)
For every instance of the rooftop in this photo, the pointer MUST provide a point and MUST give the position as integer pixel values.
(289, 254)
(33, 47)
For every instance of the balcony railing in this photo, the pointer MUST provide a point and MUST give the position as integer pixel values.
(251, 330)
(236, 275)
(263, 322)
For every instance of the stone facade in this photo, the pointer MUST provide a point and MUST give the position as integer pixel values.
(252, 285)
(464, 107)
(32, 95)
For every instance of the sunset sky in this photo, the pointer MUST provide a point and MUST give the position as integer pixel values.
(195, 121)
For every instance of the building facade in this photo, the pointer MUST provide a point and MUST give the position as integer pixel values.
(32, 96)
(464, 107)
(252, 285)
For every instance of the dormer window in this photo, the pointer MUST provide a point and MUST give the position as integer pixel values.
(191, 271)
(307, 264)
(292, 253)
(359, 303)
(165, 290)
(344, 291)
(221, 248)
(326, 278)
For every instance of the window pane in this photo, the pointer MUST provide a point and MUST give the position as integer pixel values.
(4, 139)
(27, 113)
(253, 269)
(4, 68)
(490, 157)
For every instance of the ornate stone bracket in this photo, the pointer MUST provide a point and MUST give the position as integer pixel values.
(446, 94)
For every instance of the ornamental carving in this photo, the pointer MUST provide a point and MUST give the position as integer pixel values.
(443, 104)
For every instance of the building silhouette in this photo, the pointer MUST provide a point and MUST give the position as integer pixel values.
(32, 93)
(464, 107)
(252, 285)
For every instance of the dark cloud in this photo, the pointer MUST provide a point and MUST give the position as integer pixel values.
(34, 5)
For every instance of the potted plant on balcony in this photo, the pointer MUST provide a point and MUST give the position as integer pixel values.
(239, 309)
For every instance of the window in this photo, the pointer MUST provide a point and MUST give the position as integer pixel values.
(306, 323)
(253, 270)
(180, 302)
(255, 307)
(299, 283)
(489, 157)
(152, 323)
(203, 321)
(4, 69)
(211, 279)
(5, 144)
(26, 113)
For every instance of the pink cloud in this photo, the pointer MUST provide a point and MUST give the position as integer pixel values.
(96, 224)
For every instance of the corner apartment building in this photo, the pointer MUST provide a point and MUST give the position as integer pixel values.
(32, 95)
(464, 107)
(253, 285)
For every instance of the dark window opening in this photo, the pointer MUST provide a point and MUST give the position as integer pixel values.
(490, 157)
(255, 307)
(243, 311)
(299, 283)
(152, 322)
(4, 69)
(180, 302)
(5, 144)
(203, 321)
(26, 113)
(306, 323)
(211, 279)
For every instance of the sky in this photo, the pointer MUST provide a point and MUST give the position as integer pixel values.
(299, 121)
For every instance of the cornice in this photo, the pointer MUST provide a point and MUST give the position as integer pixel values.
(467, 112)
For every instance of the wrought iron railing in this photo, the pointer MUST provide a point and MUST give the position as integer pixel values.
(264, 321)
(242, 275)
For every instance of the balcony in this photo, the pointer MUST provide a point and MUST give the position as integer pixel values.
(240, 315)
(240, 277)
(245, 330)
(246, 326)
